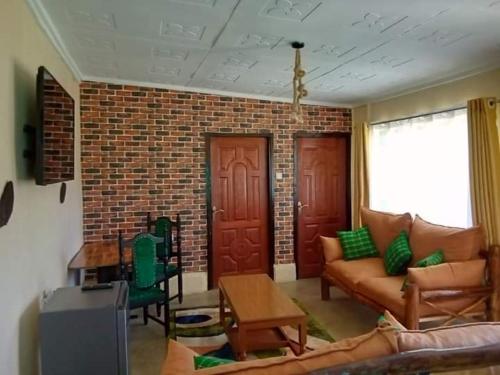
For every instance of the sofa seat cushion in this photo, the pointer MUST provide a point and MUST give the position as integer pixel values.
(458, 244)
(386, 291)
(351, 272)
(385, 226)
(465, 335)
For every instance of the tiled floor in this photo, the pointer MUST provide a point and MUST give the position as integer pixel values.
(341, 316)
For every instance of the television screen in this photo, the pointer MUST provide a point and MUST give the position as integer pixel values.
(55, 130)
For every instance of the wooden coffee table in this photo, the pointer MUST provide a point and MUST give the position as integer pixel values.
(260, 308)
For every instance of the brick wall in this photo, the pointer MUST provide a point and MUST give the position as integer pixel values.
(143, 149)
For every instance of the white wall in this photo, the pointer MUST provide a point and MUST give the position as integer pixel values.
(42, 235)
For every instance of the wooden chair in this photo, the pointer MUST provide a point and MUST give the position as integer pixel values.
(143, 288)
(164, 226)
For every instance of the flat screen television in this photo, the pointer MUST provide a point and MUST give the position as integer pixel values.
(55, 131)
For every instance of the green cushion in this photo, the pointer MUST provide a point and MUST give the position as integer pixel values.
(398, 255)
(357, 244)
(143, 297)
(434, 259)
(144, 261)
(203, 361)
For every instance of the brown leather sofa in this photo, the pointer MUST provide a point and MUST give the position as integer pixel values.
(467, 285)
(390, 348)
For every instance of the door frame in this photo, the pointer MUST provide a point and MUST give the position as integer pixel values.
(269, 137)
(296, 137)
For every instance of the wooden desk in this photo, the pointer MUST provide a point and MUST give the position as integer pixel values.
(102, 256)
(260, 308)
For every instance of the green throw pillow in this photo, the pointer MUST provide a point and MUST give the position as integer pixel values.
(434, 259)
(357, 244)
(203, 361)
(398, 255)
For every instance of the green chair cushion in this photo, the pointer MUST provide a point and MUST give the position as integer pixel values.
(204, 361)
(144, 261)
(143, 297)
(357, 244)
(398, 255)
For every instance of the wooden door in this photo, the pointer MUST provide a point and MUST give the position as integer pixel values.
(240, 206)
(322, 199)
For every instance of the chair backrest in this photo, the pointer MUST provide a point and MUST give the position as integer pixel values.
(163, 226)
(143, 258)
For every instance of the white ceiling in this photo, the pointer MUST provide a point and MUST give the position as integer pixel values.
(355, 51)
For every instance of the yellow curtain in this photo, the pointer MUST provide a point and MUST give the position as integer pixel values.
(484, 165)
(360, 187)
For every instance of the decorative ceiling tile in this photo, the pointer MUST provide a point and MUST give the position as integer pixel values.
(239, 61)
(165, 70)
(443, 38)
(177, 30)
(358, 76)
(224, 77)
(296, 10)
(390, 61)
(276, 83)
(91, 19)
(378, 23)
(170, 53)
(332, 50)
(259, 40)
(87, 41)
(210, 3)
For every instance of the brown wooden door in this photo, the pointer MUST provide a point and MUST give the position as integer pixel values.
(322, 197)
(240, 206)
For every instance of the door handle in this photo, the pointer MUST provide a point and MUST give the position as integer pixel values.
(215, 211)
(300, 206)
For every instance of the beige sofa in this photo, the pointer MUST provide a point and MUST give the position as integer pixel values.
(390, 348)
(466, 285)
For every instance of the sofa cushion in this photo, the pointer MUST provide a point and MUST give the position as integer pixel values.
(457, 243)
(332, 249)
(388, 320)
(449, 275)
(466, 335)
(180, 359)
(385, 226)
(352, 272)
(386, 291)
(398, 255)
(357, 244)
(377, 343)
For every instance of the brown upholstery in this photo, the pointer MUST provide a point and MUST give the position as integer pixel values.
(449, 275)
(332, 249)
(379, 342)
(180, 359)
(458, 244)
(384, 226)
(386, 291)
(466, 335)
(351, 272)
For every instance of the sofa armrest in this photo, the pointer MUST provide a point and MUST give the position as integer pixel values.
(332, 249)
(465, 274)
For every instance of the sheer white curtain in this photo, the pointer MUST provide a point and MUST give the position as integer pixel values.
(421, 166)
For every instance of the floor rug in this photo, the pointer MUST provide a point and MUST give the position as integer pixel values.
(199, 329)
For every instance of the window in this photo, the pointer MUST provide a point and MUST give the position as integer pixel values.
(421, 165)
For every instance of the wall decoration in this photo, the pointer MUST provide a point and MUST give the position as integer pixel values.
(6, 203)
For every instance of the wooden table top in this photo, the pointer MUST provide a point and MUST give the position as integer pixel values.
(98, 254)
(257, 298)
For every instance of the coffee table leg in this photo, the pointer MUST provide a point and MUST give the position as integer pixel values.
(242, 341)
(302, 336)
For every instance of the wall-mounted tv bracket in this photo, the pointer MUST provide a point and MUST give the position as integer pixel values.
(6, 203)
(29, 153)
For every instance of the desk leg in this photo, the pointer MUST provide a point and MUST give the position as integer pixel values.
(302, 336)
(242, 343)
